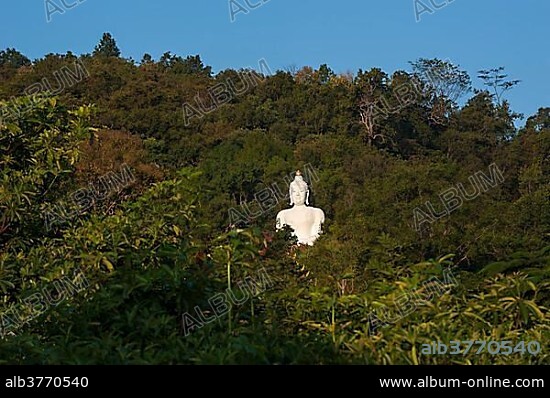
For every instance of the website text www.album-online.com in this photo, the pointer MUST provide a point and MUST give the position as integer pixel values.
(486, 382)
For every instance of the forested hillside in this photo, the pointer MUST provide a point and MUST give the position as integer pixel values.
(138, 204)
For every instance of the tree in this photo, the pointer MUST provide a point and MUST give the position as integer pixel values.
(107, 47)
(540, 121)
(444, 82)
(13, 58)
(370, 86)
(146, 59)
(495, 79)
(192, 65)
(325, 74)
(38, 150)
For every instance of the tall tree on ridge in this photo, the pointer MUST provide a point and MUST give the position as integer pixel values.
(495, 79)
(107, 47)
(444, 82)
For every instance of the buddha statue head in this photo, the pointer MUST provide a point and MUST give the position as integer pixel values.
(299, 191)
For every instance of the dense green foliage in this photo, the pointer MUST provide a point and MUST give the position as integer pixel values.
(164, 245)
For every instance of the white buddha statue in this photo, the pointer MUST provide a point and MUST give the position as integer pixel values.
(305, 221)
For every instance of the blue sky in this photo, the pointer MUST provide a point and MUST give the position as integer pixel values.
(346, 34)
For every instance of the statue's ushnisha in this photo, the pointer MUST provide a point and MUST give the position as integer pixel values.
(305, 221)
